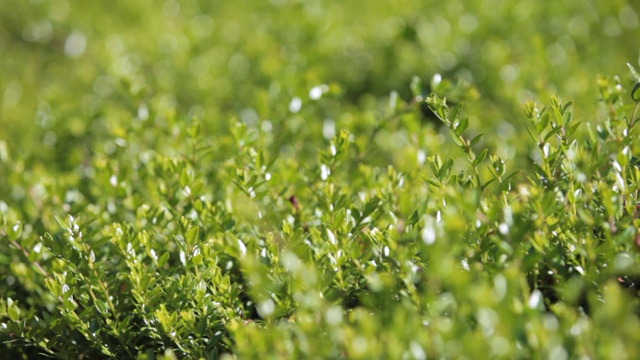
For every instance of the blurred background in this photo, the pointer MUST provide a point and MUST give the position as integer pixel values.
(78, 78)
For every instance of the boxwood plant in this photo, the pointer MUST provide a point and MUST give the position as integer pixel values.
(186, 191)
(223, 248)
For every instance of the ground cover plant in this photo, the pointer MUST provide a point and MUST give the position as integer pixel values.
(316, 179)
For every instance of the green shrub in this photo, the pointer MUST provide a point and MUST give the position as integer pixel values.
(243, 180)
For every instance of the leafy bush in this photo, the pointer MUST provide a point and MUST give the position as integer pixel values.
(299, 179)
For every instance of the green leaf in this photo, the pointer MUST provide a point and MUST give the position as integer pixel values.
(480, 157)
(624, 157)
(551, 133)
(457, 139)
(572, 129)
(476, 139)
(455, 112)
(192, 235)
(14, 312)
(445, 170)
(634, 72)
(15, 231)
(431, 182)
(164, 258)
(543, 122)
(197, 259)
(462, 126)
(371, 206)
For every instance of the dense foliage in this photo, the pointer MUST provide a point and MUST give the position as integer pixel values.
(317, 179)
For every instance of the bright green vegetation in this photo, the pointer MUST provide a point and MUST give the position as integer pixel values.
(284, 179)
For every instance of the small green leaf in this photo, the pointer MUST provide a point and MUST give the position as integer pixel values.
(457, 139)
(15, 231)
(371, 206)
(572, 129)
(635, 89)
(480, 157)
(462, 126)
(197, 259)
(543, 122)
(192, 235)
(476, 139)
(164, 258)
(445, 170)
(551, 133)
(634, 72)
(624, 156)
(455, 112)
(13, 311)
(287, 229)
(431, 182)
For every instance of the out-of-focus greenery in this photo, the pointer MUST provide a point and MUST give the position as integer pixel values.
(285, 179)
